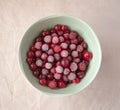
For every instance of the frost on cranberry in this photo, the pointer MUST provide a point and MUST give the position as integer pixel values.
(58, 57)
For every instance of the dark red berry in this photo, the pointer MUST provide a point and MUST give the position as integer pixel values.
(45, 32)
(57, 27)
(76, 80)
(52, 84)
(86, 55)
(30, 54)
(42, 81)
(33, 67)
(64, 28)
(36, 73)
(61, 84)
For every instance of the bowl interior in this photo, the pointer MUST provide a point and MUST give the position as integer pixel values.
(83, 29)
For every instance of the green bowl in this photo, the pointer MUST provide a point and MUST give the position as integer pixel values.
(76, 24)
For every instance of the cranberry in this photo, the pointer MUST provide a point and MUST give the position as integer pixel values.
(76, 80)
(38, 45)
(39, 62)
(45, 32)
(50, 76)
(64, 28)
(29, 60)
(57, 48)
(32, 48)
(61, 39)
(52, 84)
(72, 46)
(57, 27)
(86, 55)
(76, 60)
(38, 53)
(82, 66)
(45, 47)
(66, 36)
(80, 39)
(54, 35)
(48, 65)
(57, 76)
(57, 56)
(73, 66)
(84, 45)
(47, 39)
(33, 67)
(66, 71)
(52, 70)
(65, 78)
(71, 76)
(30, 54)
(64, 45)
(50, 59)
(58, 63)
(36, 73)
(74, 41)
(81, 74)
(42, 81)
(44, 56)
(79, 48)
(38, 39)
(60, 33)
(73, 35)
(55, 40)
(50, 52)
(65, 62)
(64, 53)
(74, 54)
(59, 69)
(69, 58)
(61, 84)
(52, 31)
(44, 71)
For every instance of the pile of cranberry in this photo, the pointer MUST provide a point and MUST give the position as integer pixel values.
(58, 57)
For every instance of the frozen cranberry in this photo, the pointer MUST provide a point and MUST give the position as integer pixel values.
(66, 35)
(32, 48)
(47, 39)
(52, 84)
(44, 71)
(80, 39)
(69, 58)
(68, 42)
(73, 66)
(59, 69)
(74, 41)
(58, 63)
(52, 31)
(45, 47)
(73, 35)
(82, 66)
(84, 45)
(60, 33)
(36, 73)
(66, 71)
(64, 45)
(76, 60)
(79, 48)
(71, 76)
(64, 28)
(57, 56)
(54, 35)
(52, 70)
(72, 46)
(50, 52)
(33, 67)
(52, 45)
(86, 62)
(38, 39)
(57, 27)
(38, 45)
(55, 40)
(61, 84)
(65, 62)
(50, 58)
(45, 32)
(48, 65)
(30, 54)
(38, 53)
(50, 76)
(29, 60)
(39, 62)
(44, 56)
(57, 48)
(76, 80)
(64, 53)
(57, 76)
(86, 55)
(61, 39)
(74, 54)
(42, 81)
(81, 74)
(65, 78)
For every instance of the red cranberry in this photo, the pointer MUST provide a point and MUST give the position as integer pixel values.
(66, 36)
(72, 46)
(69, 58)
(57, 48)
(61, 39)
(64, 53)
(84, 45)
(38, 45)
(52, 70)
(44, 71)
(86, 55)
(76, 80)
(74, 54)
(71, 76)
(38, 54)
(42, 81)
(80, 39)
(64, 28)
(36, 73)
(50, 52)
(57, 76)
(30, 54)
(59, 69)
(82, 66)
(57, 56)
(60, 33)
(44, 56)
(50, 76)
(45, 32)
(47, 39)
(65, 62)
(48, 65)
(55, 40)
(52, 31)
(64, 45)
(73, 35)
(45, 47)
(38, 39)
(81, 74)
(29, 60)
(57, 27)
(66, 71)
(33, 67)
(39, 62)
(52, 84)
(58, 63)
(86, 62)
(61, 84)
(32, 48)
(74, 41)
(79, 48)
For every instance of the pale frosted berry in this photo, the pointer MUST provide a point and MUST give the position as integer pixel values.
(57, 48)
(73, 66)
(38, 53)
(47, 39)
(57, 76)
(57, 56)
(64, 45)
(66, 71)
(76, 60)
(79, 48)
(59, 69)
(65, 62)
(64, 53)
(50, 52)
(50, 58)
(38, 45)
(65, 78)
(72, 35)
(44, 71)
(71, 76)
(39, 62)
(61, 39)
(66, 36)
(48, 65)
(82, 66)
(45, 47)
(44, 56)
(72, 46)
(55, 40)
(74, 54)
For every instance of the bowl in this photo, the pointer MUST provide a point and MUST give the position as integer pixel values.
(74, 23)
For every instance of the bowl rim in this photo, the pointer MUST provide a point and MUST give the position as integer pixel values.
(53, 16)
